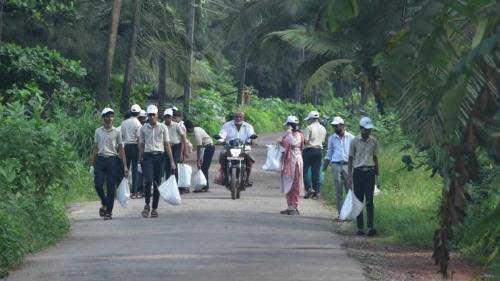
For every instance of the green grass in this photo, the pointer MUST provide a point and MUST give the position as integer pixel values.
(406, 209)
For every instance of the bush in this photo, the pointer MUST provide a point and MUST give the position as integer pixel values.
(38, 172)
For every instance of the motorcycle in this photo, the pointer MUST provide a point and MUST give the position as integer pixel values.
(236, 169)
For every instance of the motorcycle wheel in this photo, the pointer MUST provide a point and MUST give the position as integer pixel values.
(233, 185)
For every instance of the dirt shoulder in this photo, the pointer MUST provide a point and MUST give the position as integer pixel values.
(391, 262)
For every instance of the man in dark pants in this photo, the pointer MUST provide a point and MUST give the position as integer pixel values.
(204, 150)
(363, 167)
(314, 136)
(130, 130)
(140, 187)
(177, 141)
(153, 143)
(107, 146)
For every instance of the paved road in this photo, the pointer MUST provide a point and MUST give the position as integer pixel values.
(209, 237)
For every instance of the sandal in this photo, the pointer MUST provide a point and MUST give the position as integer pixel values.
(154, 214)
(145, 212)
(102, 212)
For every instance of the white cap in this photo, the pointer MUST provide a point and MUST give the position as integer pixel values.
(135, 108)
(106, 111)
(152, 109)
(142, 113)
(312, 114)
(292, 119)
(337, 120)
(168, 111)
(366, 123)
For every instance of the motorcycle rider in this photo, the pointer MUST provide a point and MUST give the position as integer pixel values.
(236, 129)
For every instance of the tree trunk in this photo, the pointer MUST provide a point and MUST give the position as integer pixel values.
(129, 69)
(2, 2)
(243, 74)
(103, 96)
(404, 4)
(162, 85)
(187, 85)
(300, 85)
(376, 93)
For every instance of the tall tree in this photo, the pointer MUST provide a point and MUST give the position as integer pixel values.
(129, 69)
(191, 33)
(102, 96)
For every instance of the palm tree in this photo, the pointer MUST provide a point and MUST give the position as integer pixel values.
(129, 69)
(103, 96)
(444, 74)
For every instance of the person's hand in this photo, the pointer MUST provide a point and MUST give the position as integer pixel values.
(377, 182)
(172, 165)
(349, 181)
(139, 168)
(199, 163)
(125, 172)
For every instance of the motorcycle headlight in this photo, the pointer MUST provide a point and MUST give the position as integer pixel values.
(235, 152)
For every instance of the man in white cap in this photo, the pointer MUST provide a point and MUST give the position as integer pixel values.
(363, 167)
(338, 154)
(314, 135)
(143, 117)
(153, 143)
(177, 141)
(130, 130)
(108, 146)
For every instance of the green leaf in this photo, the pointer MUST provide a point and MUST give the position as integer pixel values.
(480, 31)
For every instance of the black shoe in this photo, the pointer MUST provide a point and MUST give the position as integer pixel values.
(285, 211)
(316, 196)
(154, 214)
(294, 212)
(360, 232)
(186, 190)
(108, 216)
(372, 232)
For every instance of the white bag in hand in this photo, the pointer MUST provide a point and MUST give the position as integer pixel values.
(273, 159)
(91, 170)
(376, 191)
(351, 208)
(123, 193)
(199, 180)
(184, 172)
(170, 192)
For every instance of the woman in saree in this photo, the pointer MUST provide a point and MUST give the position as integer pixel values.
(292, 144)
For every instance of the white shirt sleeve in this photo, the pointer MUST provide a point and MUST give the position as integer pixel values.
(329, 152)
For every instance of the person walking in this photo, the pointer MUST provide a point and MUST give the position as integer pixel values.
(292, 171)
(105, 162)
(143, 117)
(338, 155)
(314, 135)
(177, 141)
(153, 143)
(204, 150)
(362, 168)
(130, 130)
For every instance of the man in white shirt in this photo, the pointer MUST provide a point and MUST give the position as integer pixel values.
(314, 136)
(177, 141)
(130, 130)
(338, 155)
(237, 129)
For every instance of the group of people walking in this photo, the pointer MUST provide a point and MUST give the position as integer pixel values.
(151, 151)
(353, 159)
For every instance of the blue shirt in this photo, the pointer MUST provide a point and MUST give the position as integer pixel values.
(338, 148)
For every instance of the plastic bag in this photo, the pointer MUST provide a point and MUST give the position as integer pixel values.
(273, 159)
(376, 191)
(170, 192)
(91, 170)
(199, 180)
(184, 172)
(352, 207)
(123, 193)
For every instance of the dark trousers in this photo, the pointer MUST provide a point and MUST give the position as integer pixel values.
(106, 168)
(132, 156)
(208, 155)
(177, 155)
(364, 185)
(312, 158)
(153, 164)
